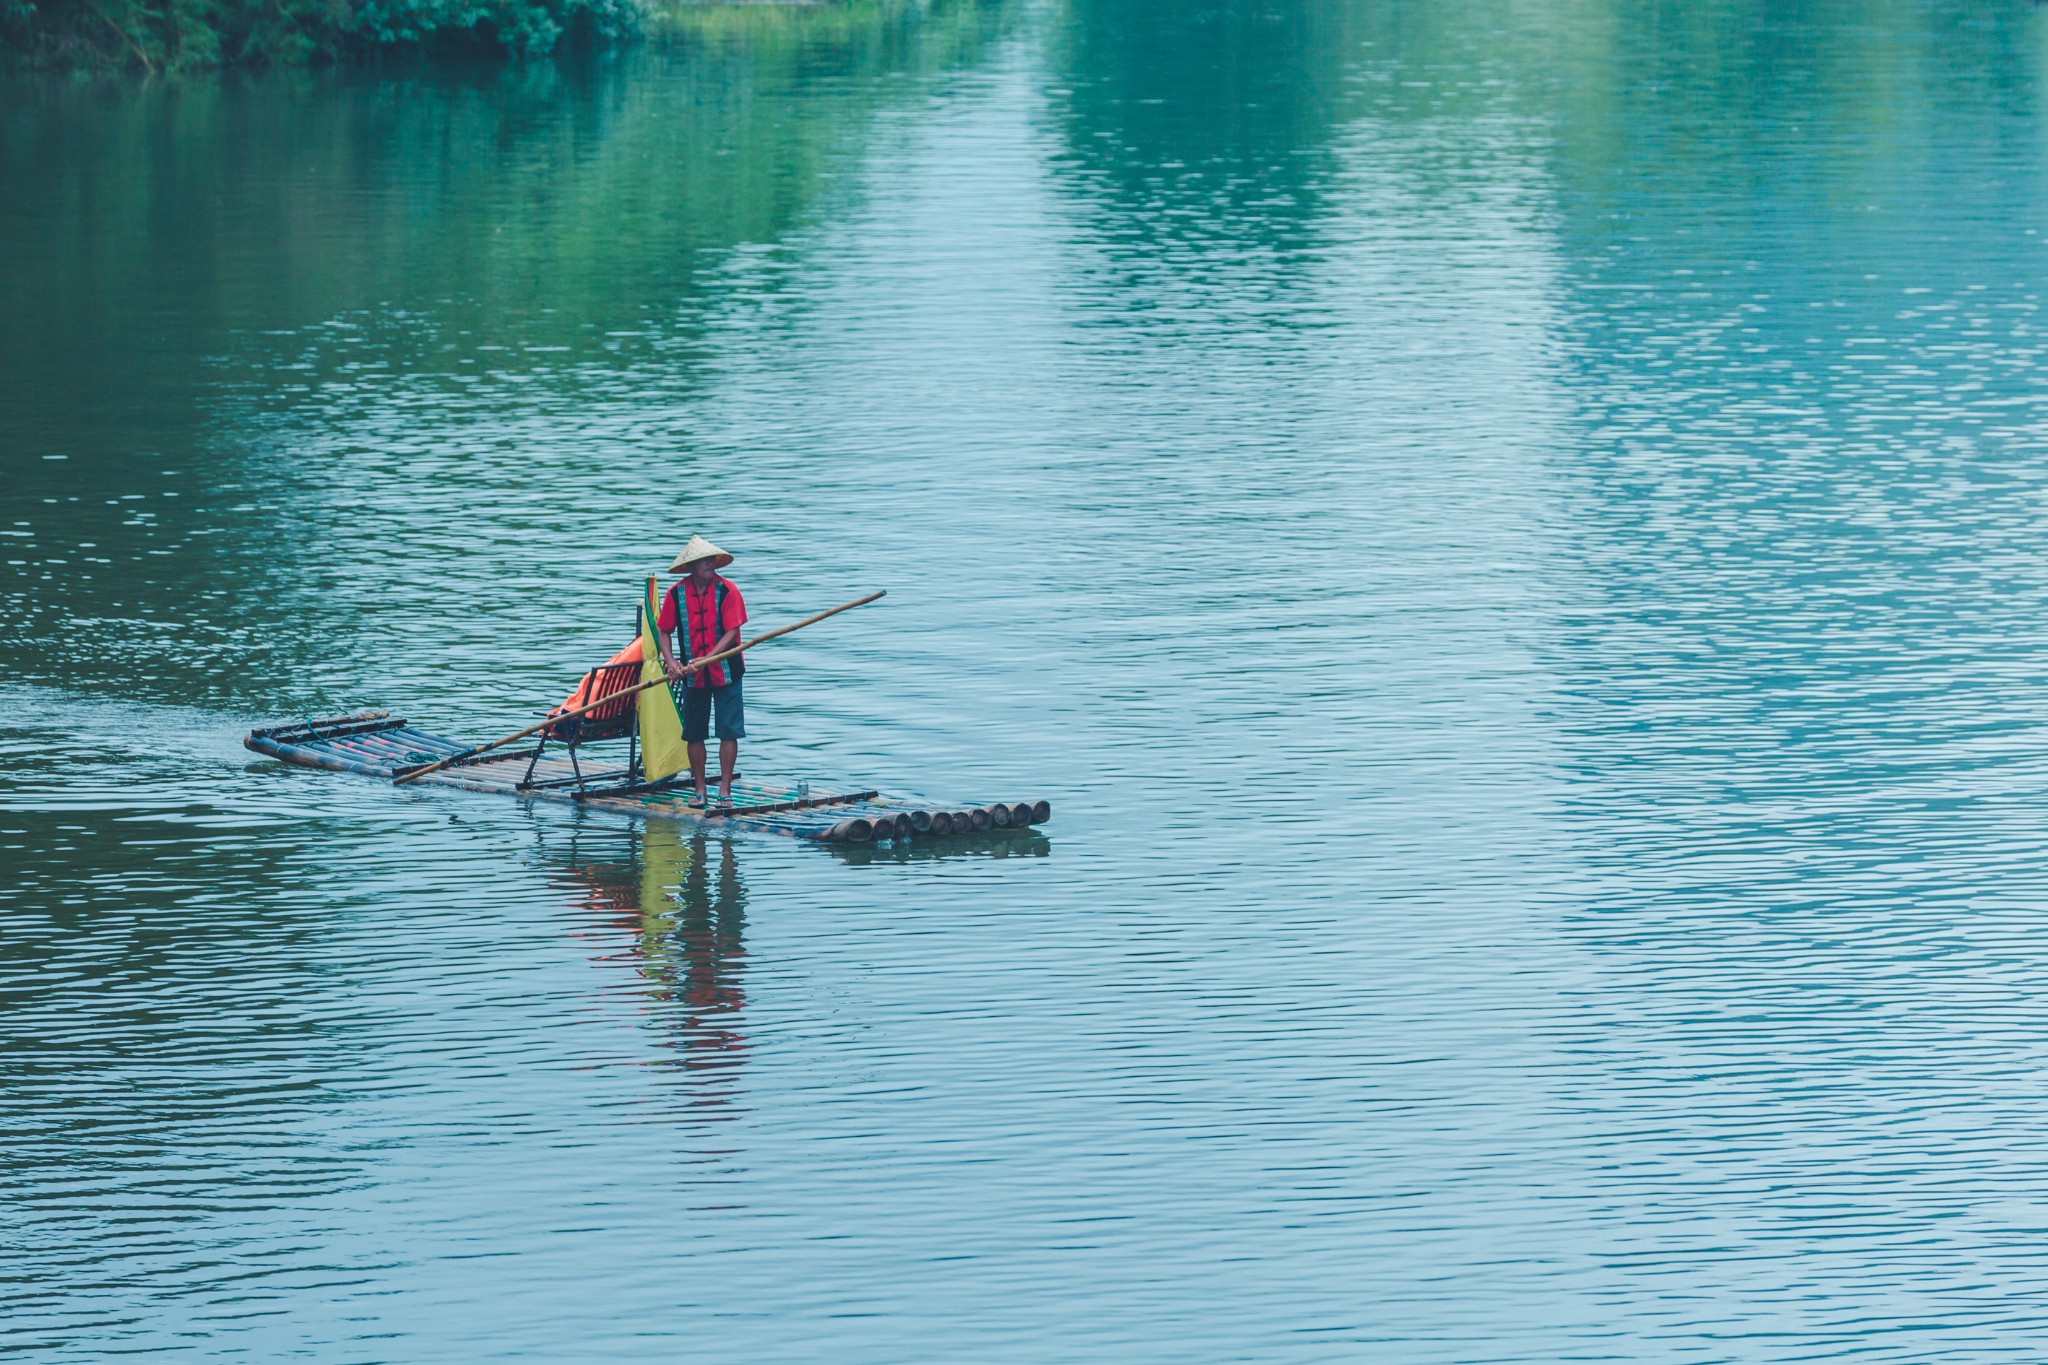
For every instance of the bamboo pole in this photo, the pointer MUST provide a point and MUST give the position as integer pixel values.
(635, 690)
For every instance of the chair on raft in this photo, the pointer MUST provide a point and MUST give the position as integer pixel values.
(616, 717)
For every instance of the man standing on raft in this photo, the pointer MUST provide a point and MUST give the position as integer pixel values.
(705, 613)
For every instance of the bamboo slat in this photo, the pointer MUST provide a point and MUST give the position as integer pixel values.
(377, 744)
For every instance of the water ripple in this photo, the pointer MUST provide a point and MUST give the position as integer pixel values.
(1511, 541)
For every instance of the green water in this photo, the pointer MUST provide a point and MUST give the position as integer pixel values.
(1511, 537)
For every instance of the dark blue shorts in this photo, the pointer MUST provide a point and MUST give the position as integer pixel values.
(698, 704)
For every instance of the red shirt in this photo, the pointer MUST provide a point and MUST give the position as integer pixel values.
(704, 631)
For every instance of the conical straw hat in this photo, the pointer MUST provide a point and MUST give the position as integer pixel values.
(699, 548)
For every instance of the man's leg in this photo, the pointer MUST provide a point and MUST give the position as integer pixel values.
(732, 728)
(697, 729)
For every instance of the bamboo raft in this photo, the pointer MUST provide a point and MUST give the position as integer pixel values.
(379, 744)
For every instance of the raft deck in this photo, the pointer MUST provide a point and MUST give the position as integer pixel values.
(379, 744)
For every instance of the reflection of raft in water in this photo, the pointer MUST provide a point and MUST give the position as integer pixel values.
(379, 744)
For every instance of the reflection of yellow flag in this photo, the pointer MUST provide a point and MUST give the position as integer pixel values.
(664, 863)
(662, 751)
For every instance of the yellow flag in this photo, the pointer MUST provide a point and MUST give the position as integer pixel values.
(662, 750)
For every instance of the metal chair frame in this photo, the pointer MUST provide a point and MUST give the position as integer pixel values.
(615, 717)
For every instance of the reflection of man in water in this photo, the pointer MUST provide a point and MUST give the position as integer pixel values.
(688, 923)
(708, 932)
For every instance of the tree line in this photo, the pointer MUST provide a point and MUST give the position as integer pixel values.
(172, 35)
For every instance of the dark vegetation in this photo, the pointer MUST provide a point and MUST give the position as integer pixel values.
(173, 35)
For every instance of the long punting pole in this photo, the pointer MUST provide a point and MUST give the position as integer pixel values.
(634, 690)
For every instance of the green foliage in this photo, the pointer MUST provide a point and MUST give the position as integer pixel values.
(170, 35)
(529, 27)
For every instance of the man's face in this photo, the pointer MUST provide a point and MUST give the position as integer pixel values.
(702, 572)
